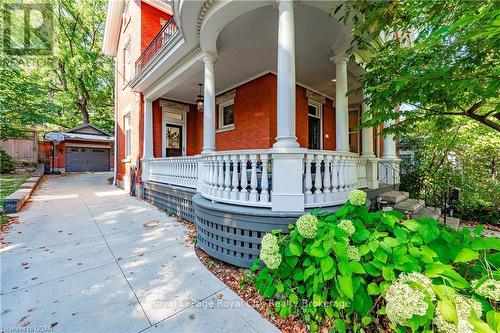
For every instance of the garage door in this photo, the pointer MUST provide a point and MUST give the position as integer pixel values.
(82, 159)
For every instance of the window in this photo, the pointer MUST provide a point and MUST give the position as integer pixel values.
(354, 121)
(226, 115)
(314, 110)
(128, 136)
(127, 63)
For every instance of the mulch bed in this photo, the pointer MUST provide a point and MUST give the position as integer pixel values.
(474, 224)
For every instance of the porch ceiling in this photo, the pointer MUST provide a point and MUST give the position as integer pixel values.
(247, 48)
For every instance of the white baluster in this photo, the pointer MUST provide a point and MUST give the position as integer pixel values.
(341, 177)
(335, 178)
(234, 179)
(327, 179)
(264, 182)
(220, 179)
(214, 175)
(227, 177)
(308, 181)
(244, 182)
(318, 183)
(253, 179)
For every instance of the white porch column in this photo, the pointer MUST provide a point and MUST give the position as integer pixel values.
(148, 139)
(368, 153)
(341, 104)
(389, 164)
(389, 145)
(209, 104)
(286, 76)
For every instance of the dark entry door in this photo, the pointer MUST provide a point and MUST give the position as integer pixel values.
(314, 133)
(84, 159)
(173, 140)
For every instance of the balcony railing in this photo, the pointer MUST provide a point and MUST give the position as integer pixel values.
(167, 32)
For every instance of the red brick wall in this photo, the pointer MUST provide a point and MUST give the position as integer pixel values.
(150, 23)
(194, 128)
(253, 108)
(157, 129)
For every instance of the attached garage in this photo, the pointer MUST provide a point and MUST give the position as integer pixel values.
(83, 159)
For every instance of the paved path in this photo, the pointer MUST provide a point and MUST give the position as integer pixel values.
(81, 260)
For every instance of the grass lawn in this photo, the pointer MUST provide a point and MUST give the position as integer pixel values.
(9, 184)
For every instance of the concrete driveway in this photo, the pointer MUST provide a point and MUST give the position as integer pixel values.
(81, 260)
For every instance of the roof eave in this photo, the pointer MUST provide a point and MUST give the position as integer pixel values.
(113, 26)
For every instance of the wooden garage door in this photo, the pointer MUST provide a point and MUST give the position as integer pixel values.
(83, 159)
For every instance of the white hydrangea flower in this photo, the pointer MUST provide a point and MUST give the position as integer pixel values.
(347, 226)
(307, 225)
(269, 251)
(353, 253)
(269, 244)
(490, 289)
(357, 198)
(272, 260)
(465, 305)
(443, 326)
(404, 302)
(421, 279)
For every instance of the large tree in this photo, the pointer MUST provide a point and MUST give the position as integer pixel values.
(72, 85)
(439, 58)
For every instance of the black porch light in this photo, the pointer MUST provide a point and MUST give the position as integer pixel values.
(199, 100)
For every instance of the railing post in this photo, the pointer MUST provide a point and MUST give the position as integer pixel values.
(287, 187)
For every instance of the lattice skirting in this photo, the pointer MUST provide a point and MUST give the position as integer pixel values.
(171, 198)
(233, 233)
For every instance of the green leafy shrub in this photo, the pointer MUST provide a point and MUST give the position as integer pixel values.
(6, 162)
(478, 211)
(355, 270)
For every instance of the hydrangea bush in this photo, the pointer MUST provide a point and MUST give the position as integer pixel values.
(355, 270)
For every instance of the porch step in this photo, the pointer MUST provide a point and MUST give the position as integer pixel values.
(409, 205)
(432, 212)
(452, 222)
(394, 197)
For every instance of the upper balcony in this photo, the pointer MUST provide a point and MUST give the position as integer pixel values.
(161, 40)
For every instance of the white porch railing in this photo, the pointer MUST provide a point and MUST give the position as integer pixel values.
(180, 171)
(237, 177)
(245, 177)
(329, 177)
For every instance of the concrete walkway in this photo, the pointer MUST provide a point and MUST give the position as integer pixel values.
(81, 260)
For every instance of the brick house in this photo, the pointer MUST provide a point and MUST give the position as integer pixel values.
(235, 115)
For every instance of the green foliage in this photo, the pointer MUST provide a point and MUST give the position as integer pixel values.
(438, 57)
(6, 162)
(73, 85)
(458, 153)
(319, 281)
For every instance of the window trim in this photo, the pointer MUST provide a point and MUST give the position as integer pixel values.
(319, 107)
(127, 128)
(354, 107)
(221, 127)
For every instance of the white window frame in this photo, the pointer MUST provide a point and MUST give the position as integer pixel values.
(319, 115)
(357, 108)
(166, 121)
(221, 116)
(127, 130)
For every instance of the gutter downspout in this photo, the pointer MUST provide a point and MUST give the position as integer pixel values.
(116, 126)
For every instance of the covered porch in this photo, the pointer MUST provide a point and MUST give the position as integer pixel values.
(251, 176)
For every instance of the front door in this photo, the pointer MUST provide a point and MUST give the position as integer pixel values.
(173, 140)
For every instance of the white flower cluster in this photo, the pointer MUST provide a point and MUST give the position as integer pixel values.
(269, 251)
(357, 198)
(490, 289)
(347, 226)
(421, 280)
(353, 253)
(307, 225)
(404, 300)
(464, 307)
